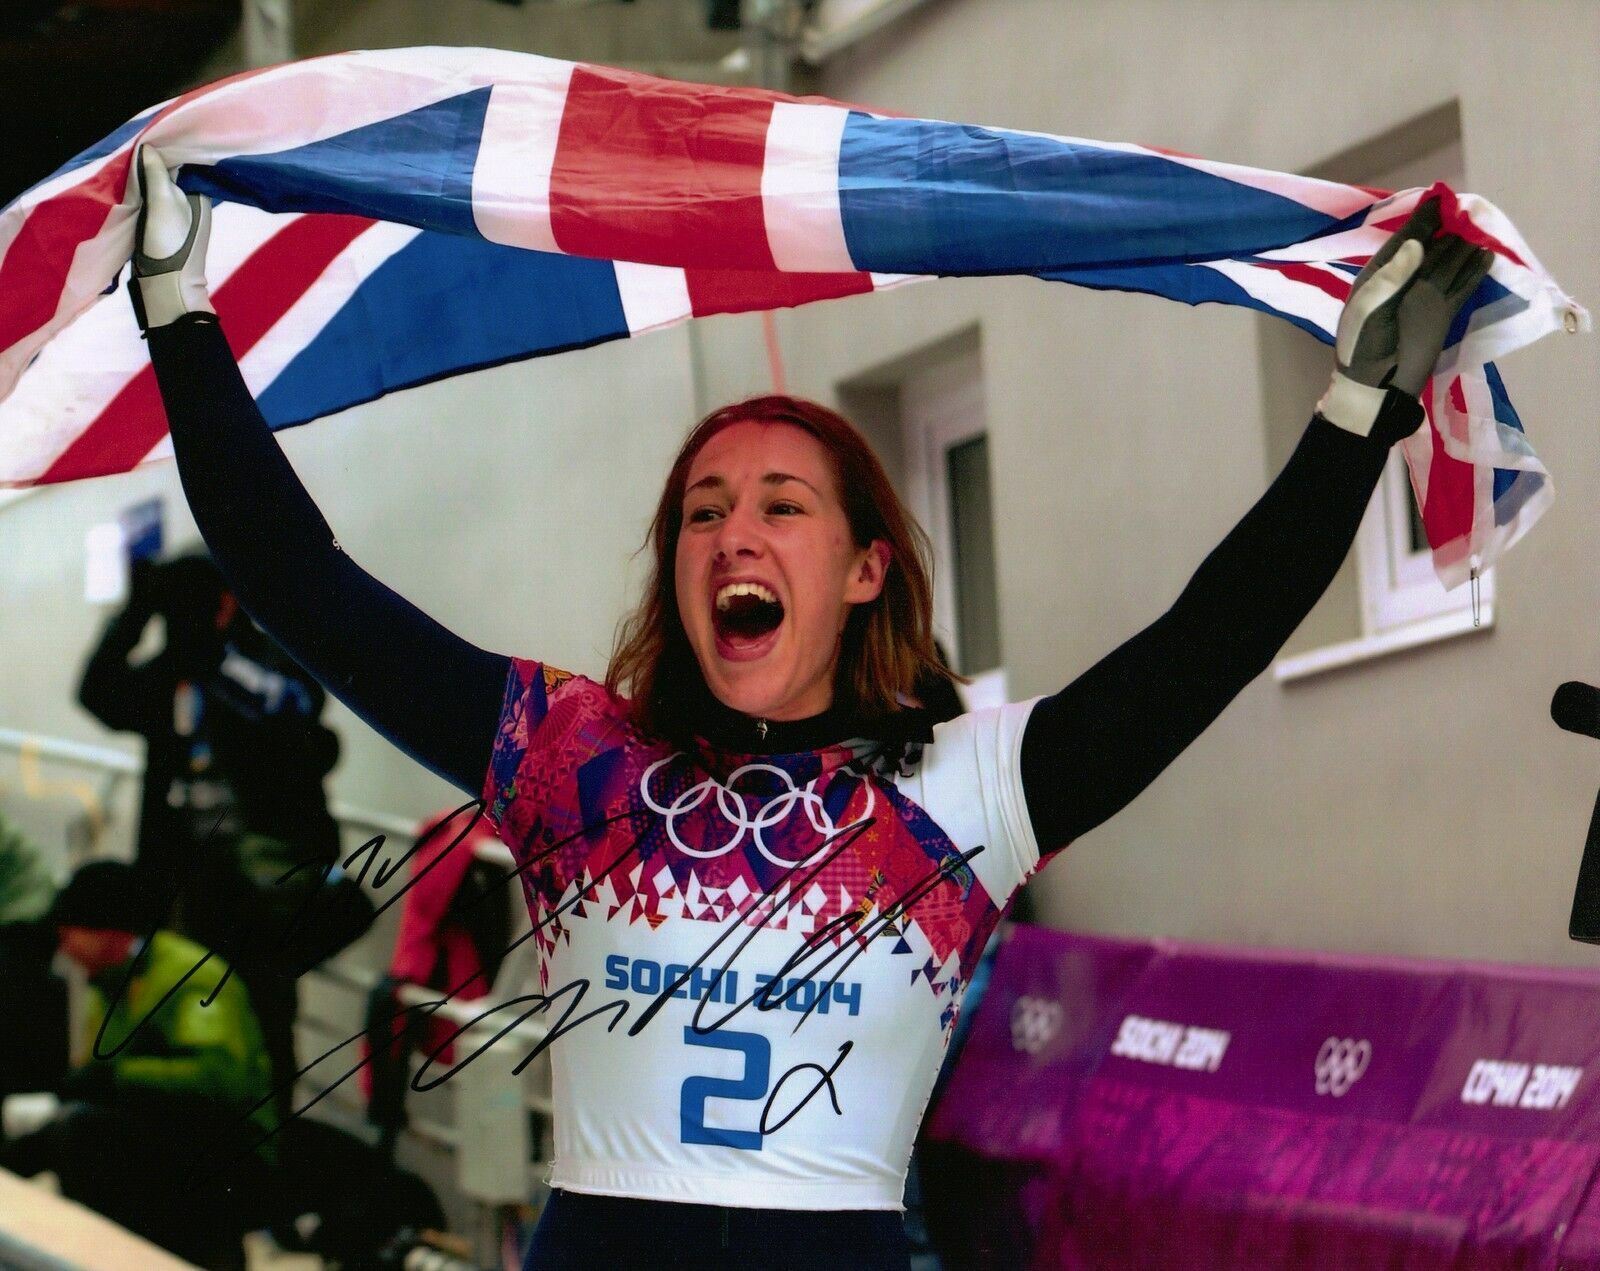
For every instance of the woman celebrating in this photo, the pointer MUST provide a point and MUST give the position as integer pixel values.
(759, 881)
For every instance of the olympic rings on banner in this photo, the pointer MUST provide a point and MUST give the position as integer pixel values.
(1340, 1063)
(1034, 1021)
(732, 806)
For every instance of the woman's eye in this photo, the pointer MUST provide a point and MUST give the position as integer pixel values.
(785, 509)
(701, 514)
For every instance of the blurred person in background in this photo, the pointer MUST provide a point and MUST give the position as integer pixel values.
(226, 716)
(233, 805)
(453, 935)
(162, 1128)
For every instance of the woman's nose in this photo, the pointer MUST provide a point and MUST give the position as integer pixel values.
(739, 534)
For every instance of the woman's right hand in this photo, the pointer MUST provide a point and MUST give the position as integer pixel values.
(170, 240)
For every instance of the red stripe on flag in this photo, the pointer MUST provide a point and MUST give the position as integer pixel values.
(1455, 221)
(645, 168)
(742, 290)
(1168, 151)
(34, 272)
(121, 435)
(1336, 286)
(1452, 220)
(1452, 487)
(249, 304)
(279, 272)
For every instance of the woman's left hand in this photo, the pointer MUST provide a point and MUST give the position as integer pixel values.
(1399, 314)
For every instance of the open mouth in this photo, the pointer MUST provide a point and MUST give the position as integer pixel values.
(745, 615)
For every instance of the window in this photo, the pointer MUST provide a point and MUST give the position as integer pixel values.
(1386, 598)
(945, 445)
(1398, 587)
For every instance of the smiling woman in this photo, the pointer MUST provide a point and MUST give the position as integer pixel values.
(751, 811)
(784, 568)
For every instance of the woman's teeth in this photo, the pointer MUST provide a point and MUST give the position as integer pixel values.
(746, 612)
(726, 595)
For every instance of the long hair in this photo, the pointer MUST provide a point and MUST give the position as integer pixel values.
(888, 648)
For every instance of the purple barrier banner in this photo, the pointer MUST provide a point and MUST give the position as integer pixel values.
(1156, 1104)
(1061, 1002)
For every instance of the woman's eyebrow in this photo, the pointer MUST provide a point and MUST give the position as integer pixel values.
(778, 478)
(715, 482)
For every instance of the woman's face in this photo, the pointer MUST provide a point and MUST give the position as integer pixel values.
(767, 569)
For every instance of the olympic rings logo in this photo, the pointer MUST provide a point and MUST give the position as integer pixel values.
(1034, 1021)
(1340, 1063)
(732, 806)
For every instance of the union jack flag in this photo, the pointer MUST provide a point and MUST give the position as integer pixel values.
(388, 218)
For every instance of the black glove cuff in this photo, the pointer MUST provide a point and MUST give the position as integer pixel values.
(1400, 415)
(137, 296)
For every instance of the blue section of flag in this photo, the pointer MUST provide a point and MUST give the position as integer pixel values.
(415, 169)
(1512, 490)
(1504, 411)
(1504, 479)
(441, 305)
(1489, 292)
(922, 197)
(1512, 487)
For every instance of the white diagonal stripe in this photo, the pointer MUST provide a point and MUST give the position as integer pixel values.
(652, 296)
(800, 189)
(1282, 293)
(321, 302)
(511, 179)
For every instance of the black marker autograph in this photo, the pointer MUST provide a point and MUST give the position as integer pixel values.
(818, 942)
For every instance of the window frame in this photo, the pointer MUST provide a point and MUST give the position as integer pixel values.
(1398, 585)
(1402, 603)
(942, 407)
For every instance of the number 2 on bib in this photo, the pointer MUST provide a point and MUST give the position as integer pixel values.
(752, 1085)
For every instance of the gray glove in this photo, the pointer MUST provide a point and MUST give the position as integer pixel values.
(169, 257)
(1394, 325)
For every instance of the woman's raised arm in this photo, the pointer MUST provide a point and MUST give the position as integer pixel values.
(434, 695)
(1091, 748)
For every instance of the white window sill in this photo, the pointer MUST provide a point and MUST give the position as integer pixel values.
(1334, 657)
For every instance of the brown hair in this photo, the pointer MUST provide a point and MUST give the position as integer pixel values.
(888, 642)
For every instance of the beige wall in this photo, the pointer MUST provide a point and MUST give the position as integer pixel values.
(1419, 804)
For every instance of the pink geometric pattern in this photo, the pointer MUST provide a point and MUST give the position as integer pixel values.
(614, 825)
